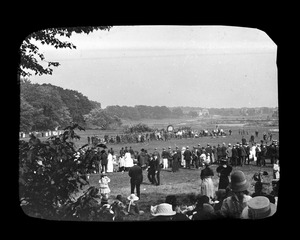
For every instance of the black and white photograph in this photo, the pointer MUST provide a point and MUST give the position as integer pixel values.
(147, 123)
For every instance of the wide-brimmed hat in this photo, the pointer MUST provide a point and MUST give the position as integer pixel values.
(258, 207)
(238, 182)
(133, 197)
(163, 209)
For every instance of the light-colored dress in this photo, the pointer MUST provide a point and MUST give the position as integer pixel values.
(110, 165)
(128, 160)
(104, 188)
(121, 161)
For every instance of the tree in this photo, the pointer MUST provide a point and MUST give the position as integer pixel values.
(100, 118)
(31, 58)
(50, 174)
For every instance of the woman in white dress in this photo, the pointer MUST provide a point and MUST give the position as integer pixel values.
(182, 157)
(110, 165)
(128, 161)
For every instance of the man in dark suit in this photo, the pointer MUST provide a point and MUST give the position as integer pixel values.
(157, 167)
(136, 178)
(187, 157)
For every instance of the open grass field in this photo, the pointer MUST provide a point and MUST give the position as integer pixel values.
(185, 181)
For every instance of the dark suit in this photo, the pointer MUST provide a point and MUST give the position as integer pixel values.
(136, 178)
(157, 168)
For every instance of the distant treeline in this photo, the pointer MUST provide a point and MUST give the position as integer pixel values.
(139, 112)
(232, 111)
(45, 107)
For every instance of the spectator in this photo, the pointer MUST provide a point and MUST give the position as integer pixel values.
(133, 206)
(187, 157)
(136, 178)
(220, 194)
(233, 205)
(229, 153)
(234, 158)
(179, 216)
(142, 159)
(162, 212)
(104, 188)
(224, 171)
(203, 210)
(104, 161)
(128, 160)
(110, 164)
(165, 156)
(151, 171)
(207, 185)
(263, 189)
(276, 169)
(258, 208)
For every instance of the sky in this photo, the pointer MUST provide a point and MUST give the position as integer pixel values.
(196, 66)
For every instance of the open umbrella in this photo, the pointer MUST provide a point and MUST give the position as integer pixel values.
(102, 145)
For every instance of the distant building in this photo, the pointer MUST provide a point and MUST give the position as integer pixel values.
(203, 112)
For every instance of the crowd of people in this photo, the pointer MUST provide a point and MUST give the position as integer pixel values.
(230, 200)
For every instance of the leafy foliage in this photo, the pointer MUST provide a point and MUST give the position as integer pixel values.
(141, 112)
(31, 58)
(99, 117)
(47, 106)
(50, 173)
(138, 128)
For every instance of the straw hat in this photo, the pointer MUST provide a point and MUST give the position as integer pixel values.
(163, 209)
(258, 207)
(238, 182)
(133, 197)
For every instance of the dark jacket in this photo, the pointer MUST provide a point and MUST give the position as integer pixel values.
(142, 159)
(136, 173)
(187, 154)
(103, 158)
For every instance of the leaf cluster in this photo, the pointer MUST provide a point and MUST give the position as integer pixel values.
(51, 173)
(31, 58)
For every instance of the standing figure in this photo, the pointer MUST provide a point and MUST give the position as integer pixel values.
(110, 164)
(128, 160)
(223, 171)
(104, 188)
(165, 156)
(104, 161)
(175, 161)
(207, 185)
(187, 157)
(157, 168)
(136, 178)
(151, 171)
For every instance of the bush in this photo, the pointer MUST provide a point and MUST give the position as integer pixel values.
(138, 128)
(50, 173)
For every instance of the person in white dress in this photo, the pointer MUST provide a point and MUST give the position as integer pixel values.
(182, 157)
(110, 165)
(128, 161)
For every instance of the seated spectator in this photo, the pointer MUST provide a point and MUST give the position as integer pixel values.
(233, 205)
(206, 213)
(133, 206)
(162, 212)
(263, 189)
(221, 194)
(200, 201)
(179, 216)
(258, 208)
